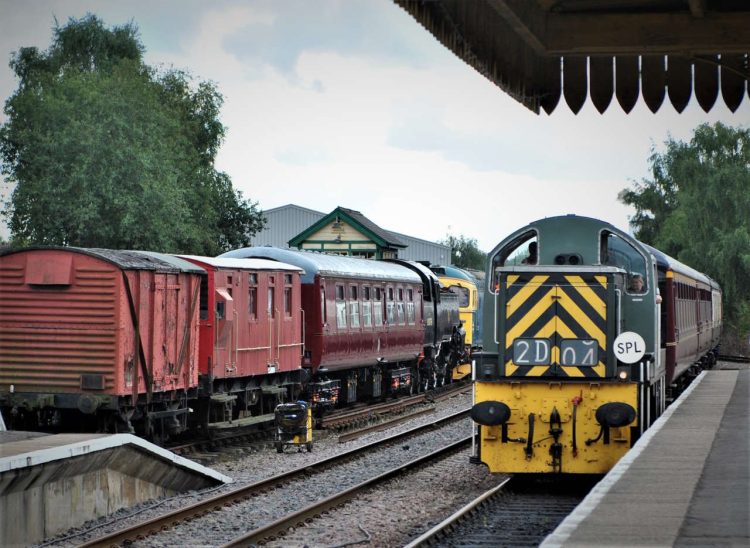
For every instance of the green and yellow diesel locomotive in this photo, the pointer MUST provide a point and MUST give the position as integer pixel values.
(587, 335)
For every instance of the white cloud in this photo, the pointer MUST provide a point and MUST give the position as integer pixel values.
(394, 125)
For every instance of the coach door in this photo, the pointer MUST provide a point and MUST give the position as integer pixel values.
(555, 325)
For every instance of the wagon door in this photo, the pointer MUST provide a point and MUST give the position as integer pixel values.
(555, 325)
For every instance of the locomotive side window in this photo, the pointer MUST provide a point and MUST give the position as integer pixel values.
(614, 251)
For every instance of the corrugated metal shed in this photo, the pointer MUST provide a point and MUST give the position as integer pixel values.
(285, 222)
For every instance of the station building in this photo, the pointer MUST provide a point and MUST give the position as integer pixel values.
(345, 232)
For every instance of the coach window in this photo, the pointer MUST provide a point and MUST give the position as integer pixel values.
(616, 251)
(366, 307)
(410, 315)
(377, 306)
(400, 313)
(252, 297)
(323, 309)
(288, 295)
(390, 308)
(340, 307)
(354, 306)
(271, 297)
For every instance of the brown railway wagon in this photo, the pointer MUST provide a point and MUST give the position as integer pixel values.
(97, 336)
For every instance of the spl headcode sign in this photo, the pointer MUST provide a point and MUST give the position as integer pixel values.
(629, 347)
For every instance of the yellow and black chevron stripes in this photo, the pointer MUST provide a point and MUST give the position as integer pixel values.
(555, 307)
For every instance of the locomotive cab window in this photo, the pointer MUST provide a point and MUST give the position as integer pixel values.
(522, 250)
(615, 251)
(463, 295)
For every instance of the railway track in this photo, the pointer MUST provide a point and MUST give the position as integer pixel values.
(287, 485)
(299, 518)
(517, 512)
(261, 435)
(348, 417)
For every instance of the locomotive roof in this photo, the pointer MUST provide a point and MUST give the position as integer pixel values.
(249, 264)
(320, 263)
(453, 272)
(125, 259)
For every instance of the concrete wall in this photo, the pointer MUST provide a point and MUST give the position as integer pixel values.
(41, 501)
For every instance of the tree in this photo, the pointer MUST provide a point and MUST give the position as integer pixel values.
(465, 252)
(106, 151)
(704, 222)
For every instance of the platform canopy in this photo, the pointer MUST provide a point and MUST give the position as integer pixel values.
(540, 50)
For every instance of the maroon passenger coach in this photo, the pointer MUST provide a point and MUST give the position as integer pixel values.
(364, 330)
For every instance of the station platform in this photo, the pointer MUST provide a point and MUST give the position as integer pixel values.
(686, 482)
(51, 483)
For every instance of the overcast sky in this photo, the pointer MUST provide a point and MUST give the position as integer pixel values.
(353, 103)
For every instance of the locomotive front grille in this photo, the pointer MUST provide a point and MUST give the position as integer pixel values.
(555, 324)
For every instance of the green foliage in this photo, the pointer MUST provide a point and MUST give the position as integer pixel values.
(702, 218)
(108, 152)
(465, 252)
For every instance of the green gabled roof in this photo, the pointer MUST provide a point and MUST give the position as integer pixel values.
(379, 236)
